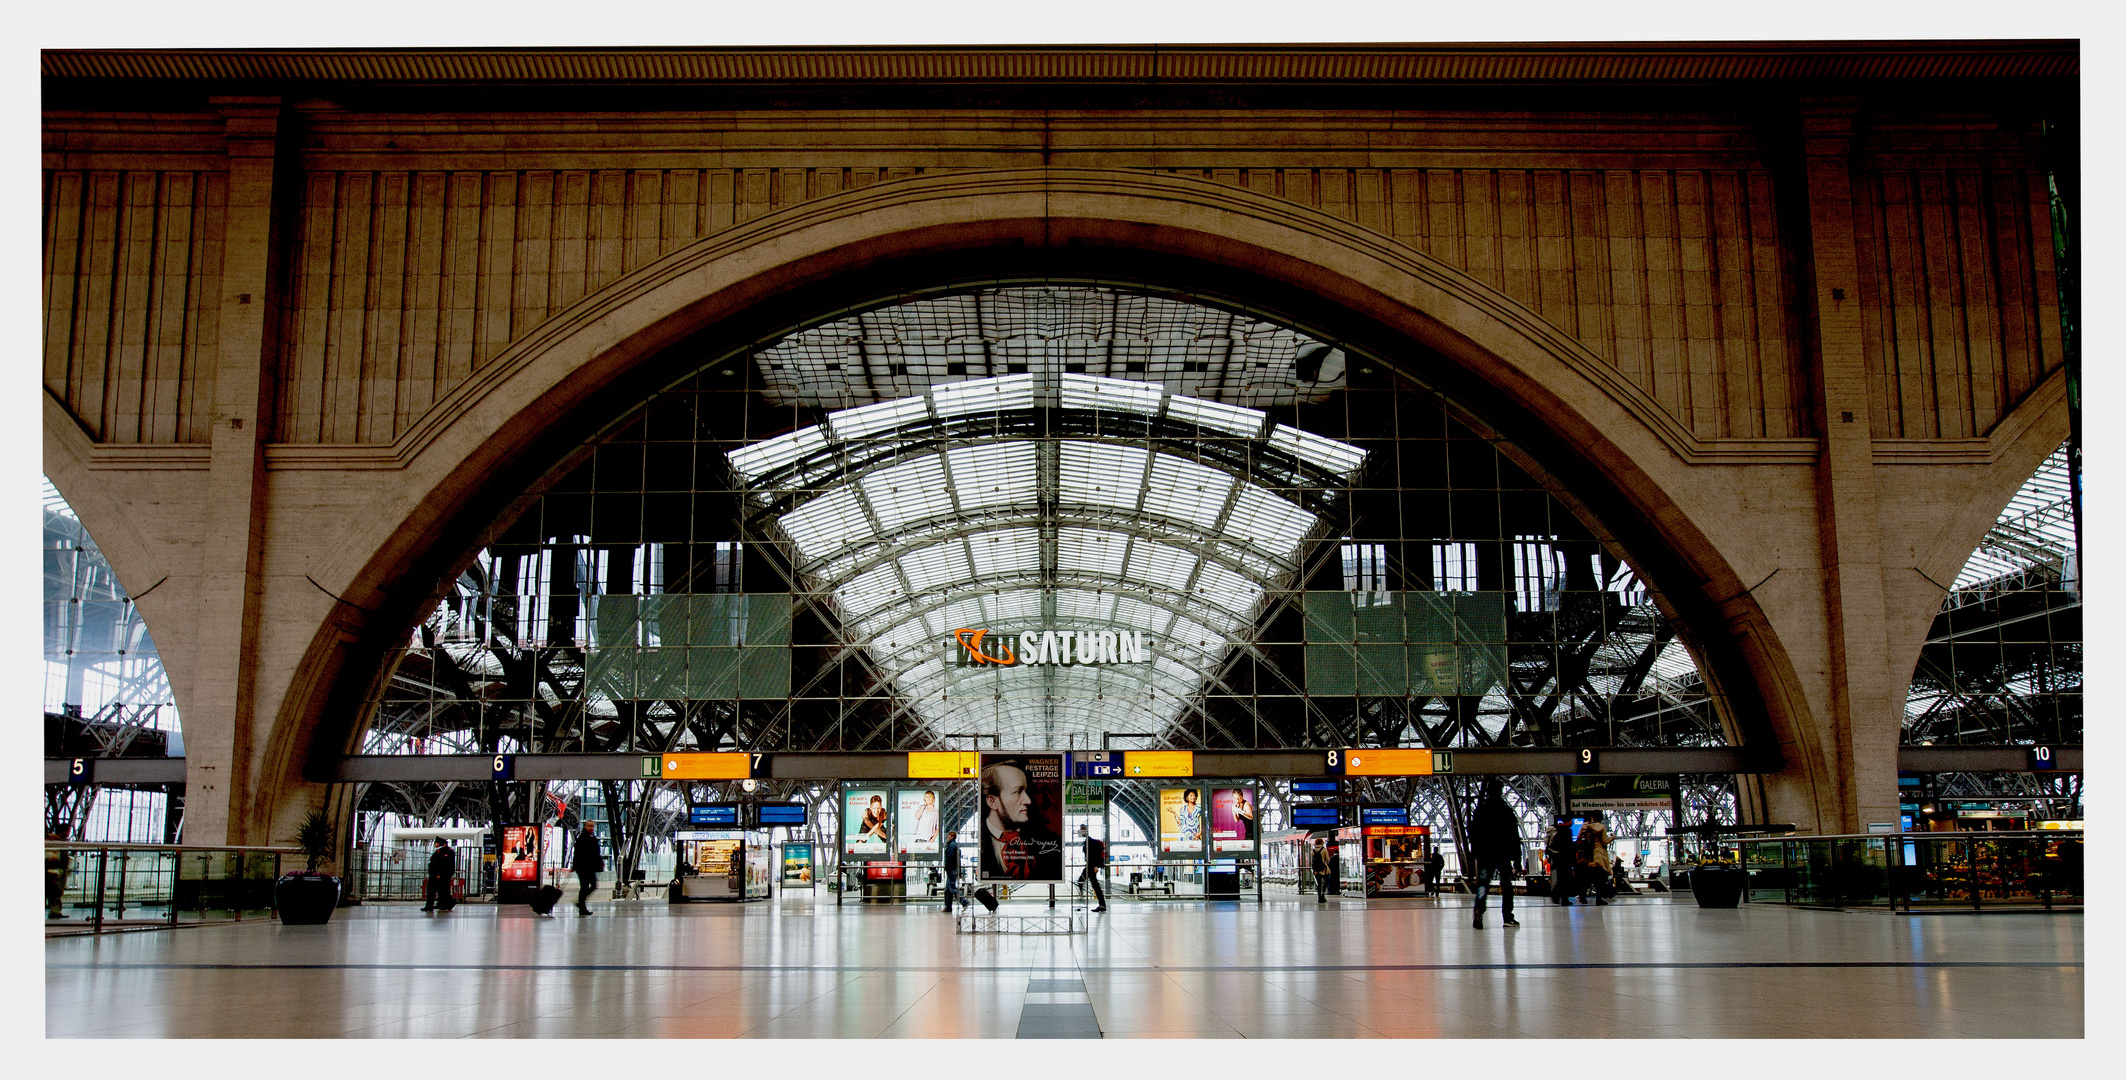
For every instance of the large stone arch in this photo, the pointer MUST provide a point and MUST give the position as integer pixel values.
(397, 517)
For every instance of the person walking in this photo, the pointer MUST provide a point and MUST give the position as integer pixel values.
(1435, 865)
(1336, 854)
(587, 864)
(1495, 841)
(1593, 861)
(1557, 847)
(442, 866)
(1319, 864)
(1095, 861)
(952, 871)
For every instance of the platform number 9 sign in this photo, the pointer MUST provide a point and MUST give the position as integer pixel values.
(503, 767)
(1585, 760)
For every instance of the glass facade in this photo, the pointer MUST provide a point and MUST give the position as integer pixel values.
(1046, 514)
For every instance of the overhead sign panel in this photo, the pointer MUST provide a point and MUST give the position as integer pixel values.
(707, 766)
(1160, 763)
(791, 814)
(945, 765)
(1316, 817)
(1097, 765)
(713, 814)
(1380, 761)
(1384, 815)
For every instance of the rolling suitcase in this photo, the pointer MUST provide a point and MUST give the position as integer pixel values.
(544, 900)
(446, 902)
(988, 897)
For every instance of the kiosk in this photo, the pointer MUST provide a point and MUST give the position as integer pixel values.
(728, 865)
(1395, 859)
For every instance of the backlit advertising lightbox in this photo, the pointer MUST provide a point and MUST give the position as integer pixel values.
(915, 822)
(1180, 821)
(867, 828)
(1021, 817)
(1232, 821)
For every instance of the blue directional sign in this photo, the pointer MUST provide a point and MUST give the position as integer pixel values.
(713, 814)
(766, 814)
(1316, 817)
(1096, 765)
(1384, 815)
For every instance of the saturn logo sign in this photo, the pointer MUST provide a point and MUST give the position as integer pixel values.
(971, 640)
(976, 648)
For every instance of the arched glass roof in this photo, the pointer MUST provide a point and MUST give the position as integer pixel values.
(1048, 500)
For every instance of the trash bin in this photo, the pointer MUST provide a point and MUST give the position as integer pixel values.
(1221, 885)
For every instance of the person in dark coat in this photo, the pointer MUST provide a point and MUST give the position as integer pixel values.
(1095, 860)
(1320, 866)
(1495, 842)
(588, 864)
(952, 871)
(1558, 848)
(1435, 866)
(442, 866)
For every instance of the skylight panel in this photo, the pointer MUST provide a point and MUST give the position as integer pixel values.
(1102, 474)
(826, 523)
(1217, 416)
(1090, 552)
(1111, 395)
(1267, 521)
(1020, 606)
(851, 425)
(939, 564)
(1195, 635)
(759, 459)
(1006, 552)
(1220, 586)
(1161, 565)
(870, 591)
(993, 474)
(1000, 394)
(1076, 607)
(1338, 457)
(1187, 491)
(911, 491)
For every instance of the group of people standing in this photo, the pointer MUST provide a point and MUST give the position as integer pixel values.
(1582, 866)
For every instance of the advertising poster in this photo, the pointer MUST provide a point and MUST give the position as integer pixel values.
(520, 853)
(1232, 820)
(1022, 817)
(867, 830)
(915, 822)
(1614, 793)
(797, 865)
(1180, 821)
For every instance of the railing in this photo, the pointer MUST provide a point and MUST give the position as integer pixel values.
(1941, 871)
(374, 874)
(99, 887)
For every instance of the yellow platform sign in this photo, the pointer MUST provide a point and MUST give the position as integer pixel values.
(1377, 761)
(945, 765)
(1136, 763)
(707, 766)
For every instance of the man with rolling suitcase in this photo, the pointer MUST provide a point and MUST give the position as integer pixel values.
(588, 864)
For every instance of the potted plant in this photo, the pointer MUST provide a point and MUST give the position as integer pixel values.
(307, 896)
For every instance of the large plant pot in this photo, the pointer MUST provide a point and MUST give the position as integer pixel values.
(1716, 886)
(306, 898)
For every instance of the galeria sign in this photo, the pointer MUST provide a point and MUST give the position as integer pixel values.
(976, 648)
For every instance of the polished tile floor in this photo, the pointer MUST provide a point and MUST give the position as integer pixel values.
(796, 968)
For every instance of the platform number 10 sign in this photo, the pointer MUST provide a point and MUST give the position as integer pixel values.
(2042, 759)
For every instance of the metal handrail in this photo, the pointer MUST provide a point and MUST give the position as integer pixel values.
(176, 854)
(115, 845)
(1892, 847)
